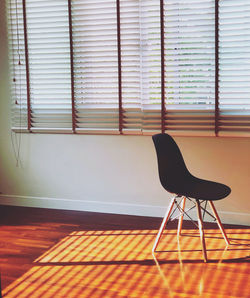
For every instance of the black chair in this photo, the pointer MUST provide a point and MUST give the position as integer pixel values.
(176, 179)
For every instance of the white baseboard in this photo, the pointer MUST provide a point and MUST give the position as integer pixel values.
(110, 207)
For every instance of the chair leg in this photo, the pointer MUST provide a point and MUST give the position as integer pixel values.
(163, 224)
(219, 222)
(202, 235)
(181, 217)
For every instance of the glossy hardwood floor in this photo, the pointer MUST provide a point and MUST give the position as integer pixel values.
(53, 253)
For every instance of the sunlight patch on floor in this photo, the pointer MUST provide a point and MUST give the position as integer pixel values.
(119, 263)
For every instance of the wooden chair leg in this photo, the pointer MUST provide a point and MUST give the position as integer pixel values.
(202, 235)
(181, 217)
(219, 222)
(163, 224)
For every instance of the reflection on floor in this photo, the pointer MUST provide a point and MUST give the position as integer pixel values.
(119, 263)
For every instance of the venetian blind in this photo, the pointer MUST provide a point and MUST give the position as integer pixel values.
(151, 65)
(46, 60)
(95, 65)
(49, 64)
(189, 66)
(141, 65)
(131, 67)
(234, 67)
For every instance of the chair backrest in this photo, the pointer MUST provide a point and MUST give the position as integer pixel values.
(171, 165)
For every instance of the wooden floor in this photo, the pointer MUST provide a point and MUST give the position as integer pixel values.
(52, 253)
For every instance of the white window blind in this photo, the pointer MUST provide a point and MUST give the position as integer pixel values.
(130, 67)
(141, 65)
(234, 71)
(49, 64)
(151, 65)
(95, 65)
(189, 65)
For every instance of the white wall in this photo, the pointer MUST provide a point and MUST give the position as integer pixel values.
(111, 173)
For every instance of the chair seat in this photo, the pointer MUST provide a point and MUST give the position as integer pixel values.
(203, 189)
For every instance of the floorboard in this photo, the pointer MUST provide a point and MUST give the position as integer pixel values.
(59, 253)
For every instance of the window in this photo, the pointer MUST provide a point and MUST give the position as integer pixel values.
(130, 67)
